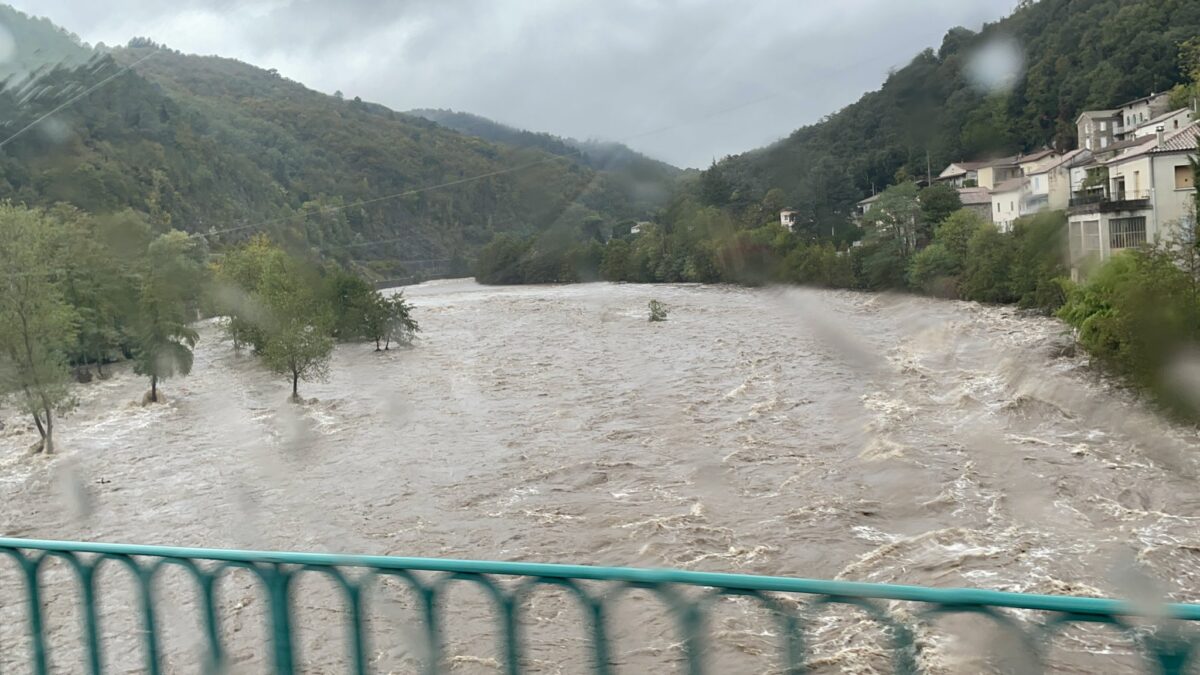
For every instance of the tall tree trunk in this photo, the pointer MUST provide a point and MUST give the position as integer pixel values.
(295, 384)
(154, 389)
(48, 441)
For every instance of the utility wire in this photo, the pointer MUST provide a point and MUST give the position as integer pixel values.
(75, 98)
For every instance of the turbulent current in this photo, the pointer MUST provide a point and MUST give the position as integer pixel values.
(769, 431)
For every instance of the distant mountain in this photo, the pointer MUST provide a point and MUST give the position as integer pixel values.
(213, 145)
(31, 44)
(647, 182)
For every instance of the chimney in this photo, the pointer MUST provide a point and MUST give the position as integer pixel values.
(1161, 135)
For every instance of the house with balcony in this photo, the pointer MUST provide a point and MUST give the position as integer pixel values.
(961, 174)
(1148, 190)
(997, 171)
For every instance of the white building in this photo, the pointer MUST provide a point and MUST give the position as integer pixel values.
(1150, 191)
(1048, 184)
(788, 218)
(1169, 121)
(1006, 203)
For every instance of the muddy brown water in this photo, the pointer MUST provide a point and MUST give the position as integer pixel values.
(769, 431)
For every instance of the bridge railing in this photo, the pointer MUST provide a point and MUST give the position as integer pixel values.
(1168, 648)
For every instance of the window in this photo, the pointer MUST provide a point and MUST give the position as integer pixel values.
(1127, 232)
(1088, 143)
(1091, 237)
(997, 207)
(1104, 142)
(1184, 178)
(1012, 206)
(1103, 125)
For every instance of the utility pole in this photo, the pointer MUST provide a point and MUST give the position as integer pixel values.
(928, 170)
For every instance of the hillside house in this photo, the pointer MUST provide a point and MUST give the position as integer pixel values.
(1097, 129)
(1037, 161)
(862, 207)
(961, 174)
(1139, 111)
(1048, 187)
(977, 199)
(1169, 121)
(1006, 203)
(1149, 191)
(998, 171)
(788, 218)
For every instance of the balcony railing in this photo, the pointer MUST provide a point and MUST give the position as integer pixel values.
(1122, 200)
(793, 604)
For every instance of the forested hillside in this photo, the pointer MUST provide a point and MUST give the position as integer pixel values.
(35, 44)
(1078, 54)
(646, 183)
(213, 145)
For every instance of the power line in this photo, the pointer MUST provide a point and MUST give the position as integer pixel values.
(75, 98)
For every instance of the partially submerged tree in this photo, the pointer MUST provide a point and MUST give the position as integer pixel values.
(297, 340)
(164, 338)
(37, 326)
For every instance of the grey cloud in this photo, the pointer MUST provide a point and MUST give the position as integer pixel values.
(708, 77)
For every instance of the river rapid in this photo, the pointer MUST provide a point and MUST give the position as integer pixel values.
(771, 431)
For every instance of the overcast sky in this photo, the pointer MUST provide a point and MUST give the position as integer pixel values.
(682, 80)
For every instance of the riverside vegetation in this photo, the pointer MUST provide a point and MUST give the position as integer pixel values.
(80, 291)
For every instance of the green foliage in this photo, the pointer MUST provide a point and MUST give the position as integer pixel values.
(1040, 265)
(633, 183)
(990, 257)
(37, 326)
(167, 300)
(658, 311)
(935, 271)
(1135, 315)
(938, 201)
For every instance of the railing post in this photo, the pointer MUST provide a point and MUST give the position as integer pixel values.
(145, 580)
(216, 655)
(599, 637)
(433, 638)
(37, 636)
(277, 586)
(90, 623)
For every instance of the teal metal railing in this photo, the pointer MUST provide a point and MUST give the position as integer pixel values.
(1168, 648)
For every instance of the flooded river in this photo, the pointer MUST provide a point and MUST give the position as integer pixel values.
(770, 431)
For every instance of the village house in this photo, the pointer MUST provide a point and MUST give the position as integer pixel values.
(977, 199)
(1097, 129)
(862, 207)
(1169, 121)
(998, 171)
(788, 218)
(1141, 110)
(1006, 203)
(1047, 184)
(1148, 192)
(961, 174)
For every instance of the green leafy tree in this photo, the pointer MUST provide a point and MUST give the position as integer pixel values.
(297, 336)
(990, 257)
(399, 325)
(938, 201)
(163, 336)
(37, 326)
